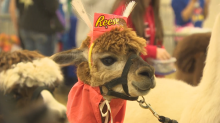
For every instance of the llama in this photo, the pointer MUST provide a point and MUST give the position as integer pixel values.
(181, 101)
(190, 53)
(34, 113)
(109, 68)
(28, 78)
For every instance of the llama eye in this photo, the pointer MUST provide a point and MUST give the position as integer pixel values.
(108, 61)
(17, 96)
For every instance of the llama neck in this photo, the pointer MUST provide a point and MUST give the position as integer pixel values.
(210, 82)
(205, 102)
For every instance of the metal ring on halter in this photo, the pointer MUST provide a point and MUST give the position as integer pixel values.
(141, 101)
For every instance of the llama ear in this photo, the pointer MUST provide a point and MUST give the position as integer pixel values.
(70, 57)
(187, 65)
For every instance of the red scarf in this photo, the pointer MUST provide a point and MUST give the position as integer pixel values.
(83, 105)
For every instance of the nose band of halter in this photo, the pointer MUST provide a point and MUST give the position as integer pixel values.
(121, 80)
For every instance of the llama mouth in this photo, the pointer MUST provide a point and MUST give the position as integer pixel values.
(139, 89)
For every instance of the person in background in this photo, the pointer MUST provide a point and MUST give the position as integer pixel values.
(4, 5)
(145, 20)
(190, 12)
(37, 23)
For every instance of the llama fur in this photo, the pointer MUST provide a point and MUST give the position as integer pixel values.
(40, 71)
(190, 53)
(117, 44)
(117, 41)
(21, 73)
(182, 102)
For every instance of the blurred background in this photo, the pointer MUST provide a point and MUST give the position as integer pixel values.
(166, 13)
(51, 26)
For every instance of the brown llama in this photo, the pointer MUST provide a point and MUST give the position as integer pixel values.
(190, 53)
(109, 69)
(34, 113)
(110, 53)
(29, 78)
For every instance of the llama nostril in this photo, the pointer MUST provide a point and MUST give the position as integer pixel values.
(144, 73)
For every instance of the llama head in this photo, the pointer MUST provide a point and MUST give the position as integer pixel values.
(112, 51)
(28, 78)
(109, 55)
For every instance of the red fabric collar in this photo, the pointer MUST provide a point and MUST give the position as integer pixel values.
(83, 105)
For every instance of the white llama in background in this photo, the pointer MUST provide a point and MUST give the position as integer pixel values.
(182, 102)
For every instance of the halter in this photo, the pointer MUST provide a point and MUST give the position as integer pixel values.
(98, 29)
(121, 80)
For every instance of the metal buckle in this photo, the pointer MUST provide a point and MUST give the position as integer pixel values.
(145, 105)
